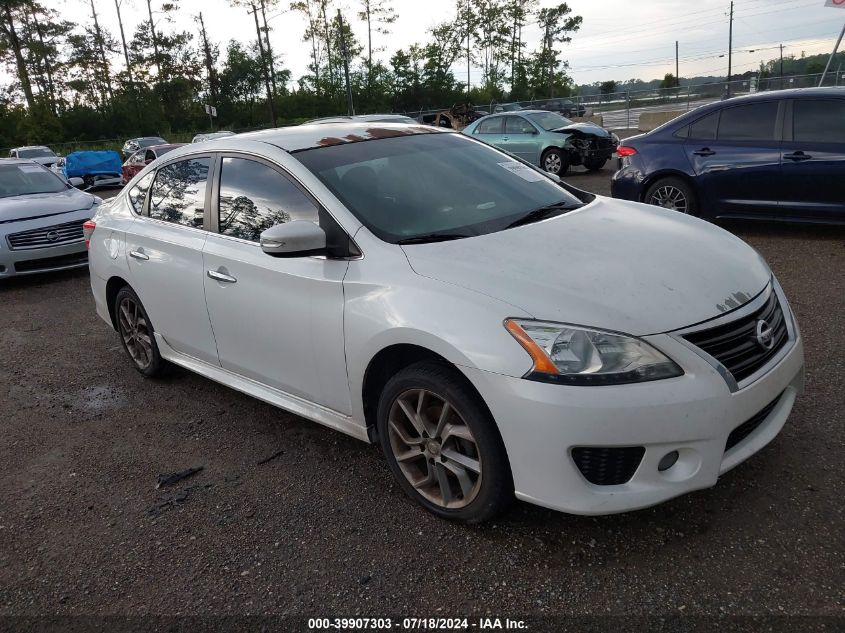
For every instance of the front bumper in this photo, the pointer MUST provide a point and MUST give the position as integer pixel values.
(29, 261)
(693, 414)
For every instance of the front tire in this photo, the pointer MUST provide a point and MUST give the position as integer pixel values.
(442, 445)
(595, 164)
(673, 194)
(136, 333)
(555, 161)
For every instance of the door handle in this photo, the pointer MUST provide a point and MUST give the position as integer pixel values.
(506, 138)
(139, 255)
(797, 156)
(218, 276)
(704, 151)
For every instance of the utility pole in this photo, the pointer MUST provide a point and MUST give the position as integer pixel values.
(468, 34)
(832, 55)
(269, 50)
(551, 67)
(154, 39)
(128, 63)
(350, 107)
(730, 46)
(264, 64)
(781, 66)
(677, 75)
(105, 62)
(209, 63)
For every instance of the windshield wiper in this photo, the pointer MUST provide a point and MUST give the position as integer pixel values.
(542, 213)
(432, 237)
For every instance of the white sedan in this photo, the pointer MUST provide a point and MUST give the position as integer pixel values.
(499, 333)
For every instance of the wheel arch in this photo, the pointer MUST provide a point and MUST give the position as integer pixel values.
(113, 286)
(669, 173)
(385, 364)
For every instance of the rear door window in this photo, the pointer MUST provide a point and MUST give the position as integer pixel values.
(178, 193)
(818, 120)
(493, 125)
(138, 193)
(751, 122)
(705, 128)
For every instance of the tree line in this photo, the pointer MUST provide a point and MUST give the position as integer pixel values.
(78, 81)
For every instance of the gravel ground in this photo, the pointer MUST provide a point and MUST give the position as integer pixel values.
(321, 529)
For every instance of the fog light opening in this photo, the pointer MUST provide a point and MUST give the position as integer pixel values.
(667, 461)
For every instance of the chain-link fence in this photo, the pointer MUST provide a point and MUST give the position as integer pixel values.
(622, 109)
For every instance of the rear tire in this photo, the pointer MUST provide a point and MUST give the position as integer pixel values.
(136, 333)
(442, 445)
(595, 164)
(555, 161)
(673, 194)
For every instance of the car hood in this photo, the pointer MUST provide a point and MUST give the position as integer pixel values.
(43, 204)
(585, 128)
(612, 264)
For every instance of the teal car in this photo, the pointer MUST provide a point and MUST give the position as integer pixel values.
(546, 139)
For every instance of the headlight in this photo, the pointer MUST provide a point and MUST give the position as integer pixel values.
(572, 355)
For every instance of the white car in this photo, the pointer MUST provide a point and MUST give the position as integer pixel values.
(497, 332)
(40, 154)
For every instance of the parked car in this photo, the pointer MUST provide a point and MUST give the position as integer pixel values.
(101, 168)
(546, 139)
(134, 144)
(144, 157)
(367, 118)
(418, 288)
(565, 107)
(41, 154)
(210, 136)
(508, 107)
(41, 216)
(776, 155)
(455, 118)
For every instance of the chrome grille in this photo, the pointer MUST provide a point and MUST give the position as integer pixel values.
(736, 344)
(47, 236)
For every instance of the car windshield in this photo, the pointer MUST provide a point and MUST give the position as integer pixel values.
(35, 152)
(549, 120)
(22, 180)
(427, 187)
(153, 140)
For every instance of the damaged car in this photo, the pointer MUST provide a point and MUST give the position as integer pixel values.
(546, 139)
(457, 117)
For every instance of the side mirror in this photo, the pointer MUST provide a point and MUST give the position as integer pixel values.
(76, 181)
(298, 238)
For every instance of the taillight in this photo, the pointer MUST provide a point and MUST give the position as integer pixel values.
(624, 150)
(88, 231)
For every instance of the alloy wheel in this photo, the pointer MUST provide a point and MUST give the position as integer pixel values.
(552, 163)
(434, 448)
(670, 197)
(135, 332)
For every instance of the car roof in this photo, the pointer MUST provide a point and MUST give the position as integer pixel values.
(311, 135)
(162, 146)
(343, 118)
(32, 147)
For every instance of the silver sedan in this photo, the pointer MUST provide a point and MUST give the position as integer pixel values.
(41, 218)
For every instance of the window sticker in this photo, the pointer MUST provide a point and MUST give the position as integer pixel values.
(523, 171)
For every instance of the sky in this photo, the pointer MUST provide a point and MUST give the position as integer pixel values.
(619, 39)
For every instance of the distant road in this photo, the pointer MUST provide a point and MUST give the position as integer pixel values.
(619, 119)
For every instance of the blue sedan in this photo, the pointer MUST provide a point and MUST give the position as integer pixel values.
(776, 155)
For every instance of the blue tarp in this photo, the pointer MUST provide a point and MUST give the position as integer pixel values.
(80, 164)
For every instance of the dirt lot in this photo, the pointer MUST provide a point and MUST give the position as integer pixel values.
(321, 529)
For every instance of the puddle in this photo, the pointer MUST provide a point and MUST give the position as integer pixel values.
(101, 398)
